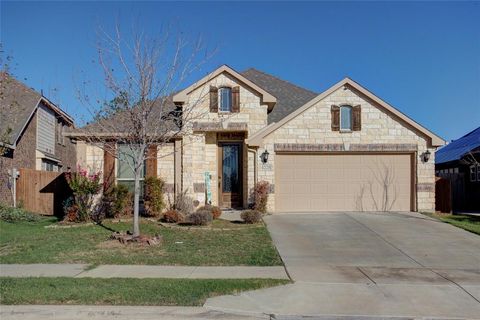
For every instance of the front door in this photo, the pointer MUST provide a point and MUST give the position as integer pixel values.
(230, 178)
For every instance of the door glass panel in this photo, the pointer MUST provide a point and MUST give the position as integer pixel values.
(230, 168)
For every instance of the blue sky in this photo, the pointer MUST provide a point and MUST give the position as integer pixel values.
(423, 58)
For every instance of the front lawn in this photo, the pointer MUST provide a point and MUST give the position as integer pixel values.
(165, 292)
(467, 222)
(235, 244)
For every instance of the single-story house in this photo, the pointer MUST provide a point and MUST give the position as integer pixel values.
(31, 134)
(459, 162)
(344, 149)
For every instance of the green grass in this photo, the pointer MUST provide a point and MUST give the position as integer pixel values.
(165, 292)
(467, 222)
(30, 242)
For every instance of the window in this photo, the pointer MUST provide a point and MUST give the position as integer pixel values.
(125, 174)
(473, 173)
(478, 172)
(345, 118)
(225, 96)
(49, 166)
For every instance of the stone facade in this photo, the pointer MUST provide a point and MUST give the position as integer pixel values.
(200, 150)
(378, 129)
(309, 131)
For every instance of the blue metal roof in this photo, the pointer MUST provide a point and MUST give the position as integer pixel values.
(458, 148)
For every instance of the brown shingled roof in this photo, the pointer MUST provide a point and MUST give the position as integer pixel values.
(17, 104)
(290, 97)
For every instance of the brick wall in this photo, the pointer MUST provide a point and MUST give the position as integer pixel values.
(22, 157)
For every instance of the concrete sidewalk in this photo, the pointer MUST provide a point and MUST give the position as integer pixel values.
(75, 312)
(142, 271)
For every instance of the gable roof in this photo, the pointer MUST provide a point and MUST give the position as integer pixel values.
(267, 98)
(435, 140)
(289, 96)
(458, 148)
(18, 103)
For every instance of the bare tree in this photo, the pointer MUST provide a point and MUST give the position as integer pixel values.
(141, 76)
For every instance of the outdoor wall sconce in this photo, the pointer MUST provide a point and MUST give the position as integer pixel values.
(264, 156)
(425, 156)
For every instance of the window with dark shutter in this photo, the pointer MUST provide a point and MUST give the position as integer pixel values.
(345, 118)
(225, 97)
(335, 112)
(357, 118)
(213, 99)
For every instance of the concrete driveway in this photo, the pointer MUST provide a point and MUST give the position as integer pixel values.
(368, 264)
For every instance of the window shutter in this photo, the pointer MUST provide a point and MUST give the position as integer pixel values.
(108, 166)
(213, 99)
(335, 111)
(236, 99)
(151, 169)
(357, 118)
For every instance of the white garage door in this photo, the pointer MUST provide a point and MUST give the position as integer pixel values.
(347, 182)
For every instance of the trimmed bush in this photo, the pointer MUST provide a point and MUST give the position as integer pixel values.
(216, 211)
(173, 216)
(117, 202)
(12, 215)
(200, 217)
(251, 216)
(260, 196)
(153, 197)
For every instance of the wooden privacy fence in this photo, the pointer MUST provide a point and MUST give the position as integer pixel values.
(42, 191)
(443, 195)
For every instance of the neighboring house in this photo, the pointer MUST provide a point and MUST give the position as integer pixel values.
(459, 162)
(32, 130)
(342, 150)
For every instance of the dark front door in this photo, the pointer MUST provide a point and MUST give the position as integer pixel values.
(230, 179)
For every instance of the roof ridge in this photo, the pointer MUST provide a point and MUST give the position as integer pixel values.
(280, 79)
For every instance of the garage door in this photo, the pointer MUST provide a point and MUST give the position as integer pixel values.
(347, 182)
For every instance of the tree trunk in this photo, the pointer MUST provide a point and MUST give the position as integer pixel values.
(136, 203)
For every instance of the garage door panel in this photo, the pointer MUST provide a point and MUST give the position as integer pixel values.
(343, 182)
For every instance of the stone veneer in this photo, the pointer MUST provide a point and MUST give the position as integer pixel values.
(378, 129)
(200, 149)
(310, 130)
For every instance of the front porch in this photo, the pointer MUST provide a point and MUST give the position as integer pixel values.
(217, 167)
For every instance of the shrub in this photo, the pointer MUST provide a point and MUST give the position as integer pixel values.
(153, 197)
(84, 186)
(117, 202)
(184, 203)
(70, 209)
(173, 216)
(260, 196)
(251, 216)
(12, 215)
(216, 211)
(200, 217)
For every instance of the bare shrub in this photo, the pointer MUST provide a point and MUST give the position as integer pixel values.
(251, 216)
(173, 216)
(200, 217)
(216, 211)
